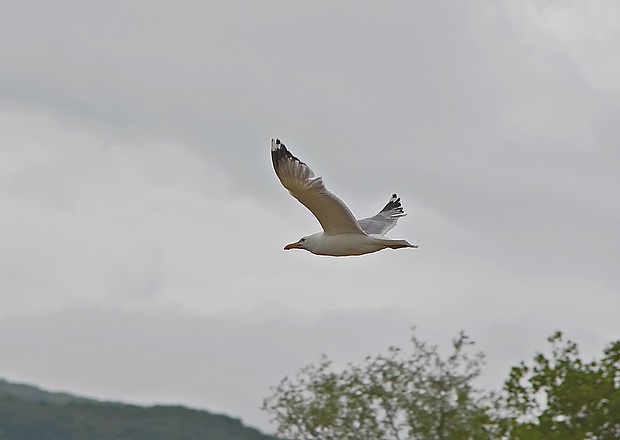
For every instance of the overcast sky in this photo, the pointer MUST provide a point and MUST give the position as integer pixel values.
(142, 226)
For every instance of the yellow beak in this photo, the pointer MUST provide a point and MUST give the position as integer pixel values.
(288, 247)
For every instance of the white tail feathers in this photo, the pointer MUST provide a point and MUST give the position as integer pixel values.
(397, 244)
(394, 244)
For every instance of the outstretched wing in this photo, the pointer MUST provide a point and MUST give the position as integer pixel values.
(298, 178)
(386, 219)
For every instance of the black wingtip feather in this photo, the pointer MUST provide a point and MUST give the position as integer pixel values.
(282, 153)
(393, 205)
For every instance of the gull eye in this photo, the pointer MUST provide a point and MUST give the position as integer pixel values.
(302, 240)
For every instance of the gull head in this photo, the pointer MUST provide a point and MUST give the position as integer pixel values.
(306, 243)
(301, 244)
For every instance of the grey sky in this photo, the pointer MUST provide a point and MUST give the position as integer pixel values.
(142, 224)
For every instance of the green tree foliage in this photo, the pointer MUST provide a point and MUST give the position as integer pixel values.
(563, 397)
(394, 396)
(424, 396)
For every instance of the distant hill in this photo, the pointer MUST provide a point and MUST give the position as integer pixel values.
(29, 413)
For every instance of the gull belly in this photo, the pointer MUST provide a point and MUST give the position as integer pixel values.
(342, 245)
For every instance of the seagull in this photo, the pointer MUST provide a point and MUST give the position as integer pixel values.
(342, 234)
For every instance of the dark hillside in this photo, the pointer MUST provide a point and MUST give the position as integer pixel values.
(28, 413)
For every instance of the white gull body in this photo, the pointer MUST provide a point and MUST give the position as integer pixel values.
(342, 234)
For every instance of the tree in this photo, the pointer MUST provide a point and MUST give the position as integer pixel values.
(394, 396)
(563, 397)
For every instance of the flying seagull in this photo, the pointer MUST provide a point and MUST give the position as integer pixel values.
(342, 234)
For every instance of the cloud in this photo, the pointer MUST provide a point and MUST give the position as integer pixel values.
(584, 34)
(89, 217)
